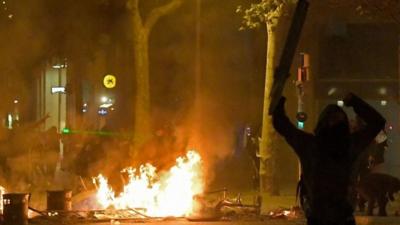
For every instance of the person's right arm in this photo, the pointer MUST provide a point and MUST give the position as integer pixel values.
(373, 119)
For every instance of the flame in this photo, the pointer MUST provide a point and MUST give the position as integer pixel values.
(170, 194)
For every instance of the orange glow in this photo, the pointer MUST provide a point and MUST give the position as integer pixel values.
(168, 194)
(2, 192)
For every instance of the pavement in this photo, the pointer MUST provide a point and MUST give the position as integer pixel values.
(269, 203)
(360, 221)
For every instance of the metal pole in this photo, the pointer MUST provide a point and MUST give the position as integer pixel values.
(196, 130)
(198, 47)
(300, 108)
(59, 98)
(302, 77)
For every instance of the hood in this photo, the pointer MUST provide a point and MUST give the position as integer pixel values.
(333, 131)
(332, 116)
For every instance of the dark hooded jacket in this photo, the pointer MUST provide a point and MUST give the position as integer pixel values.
(328, 155)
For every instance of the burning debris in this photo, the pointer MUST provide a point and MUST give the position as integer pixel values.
(167, 194)
(285, 213)
(150, 196)
(176, 193)
(225, 208)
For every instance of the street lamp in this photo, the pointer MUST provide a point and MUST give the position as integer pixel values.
(104, 99)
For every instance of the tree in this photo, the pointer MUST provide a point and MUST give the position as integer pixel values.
(141, 29)
(270, 14)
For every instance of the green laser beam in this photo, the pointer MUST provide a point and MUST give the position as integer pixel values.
(67, 131)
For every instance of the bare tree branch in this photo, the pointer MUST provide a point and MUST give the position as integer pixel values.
(133, 6)
(383, 9)
(135, 3)
(389, 10)
(158, 12)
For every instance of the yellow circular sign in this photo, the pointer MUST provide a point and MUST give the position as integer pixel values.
(109, 81)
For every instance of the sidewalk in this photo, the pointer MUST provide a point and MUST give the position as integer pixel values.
(288, 201)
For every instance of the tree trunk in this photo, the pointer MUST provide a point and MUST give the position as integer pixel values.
(142, 126)
(267, 170)
(141, 32)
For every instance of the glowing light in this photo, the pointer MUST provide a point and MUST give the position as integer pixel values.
(167, 194)
(2, 192)
(383, 102)
(104, 99)
(9, 121)
(106, 105)
(109, 81)
(55, 90)
(66, 130)
(15, 101)
(57, 66)
(340, 103)
(382, 91)
(332, 91)
(102, 111)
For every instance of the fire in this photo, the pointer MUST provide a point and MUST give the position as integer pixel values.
(167, 194)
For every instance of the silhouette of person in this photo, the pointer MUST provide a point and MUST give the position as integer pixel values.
(327, 158)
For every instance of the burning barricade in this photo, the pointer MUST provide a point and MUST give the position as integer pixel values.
(169, 194)
(177, 193)
(147, 194)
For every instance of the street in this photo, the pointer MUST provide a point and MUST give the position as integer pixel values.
(270, 204)
(360, 221)
(199, 112)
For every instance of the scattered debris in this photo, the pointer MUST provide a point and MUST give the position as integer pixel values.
(225, 208)
(284, 213)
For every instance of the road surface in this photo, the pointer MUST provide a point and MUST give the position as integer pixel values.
(362, 220)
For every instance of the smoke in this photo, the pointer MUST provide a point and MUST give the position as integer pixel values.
(85, 31)
(32, 33)
(209, 108)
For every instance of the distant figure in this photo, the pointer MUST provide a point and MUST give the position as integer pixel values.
(377, 188)
(51, 150)
(366, 164)
(377, 150)
(327, 158)
(373, 187)
(252, 149)
(373, 155)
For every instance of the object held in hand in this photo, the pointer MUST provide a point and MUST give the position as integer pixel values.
(281, 73)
